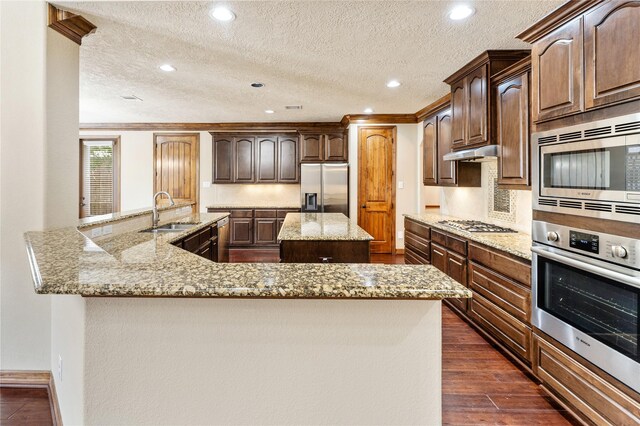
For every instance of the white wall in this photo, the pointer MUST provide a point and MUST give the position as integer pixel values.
(408, 171)
(136, 152)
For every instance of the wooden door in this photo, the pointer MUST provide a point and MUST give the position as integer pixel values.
(243, 160)
(458, 112)
(335, 147)
(176, 163)
(222, 159)
(266, 159)
(477, 102)
(557, 73)
(288, 170)
(446, 169)
(376, 186)
(513, 131)
(311, 147)
(612, 53)
(430, 152)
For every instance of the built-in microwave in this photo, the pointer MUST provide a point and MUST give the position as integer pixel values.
(590, 170)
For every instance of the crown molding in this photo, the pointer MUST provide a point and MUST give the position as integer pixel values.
(437, 106)
(213, 127)
(377, 119)
(70, 25)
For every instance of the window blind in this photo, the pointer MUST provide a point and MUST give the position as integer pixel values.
(97, 178)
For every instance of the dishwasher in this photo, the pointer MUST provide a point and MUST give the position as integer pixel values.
(223, 240)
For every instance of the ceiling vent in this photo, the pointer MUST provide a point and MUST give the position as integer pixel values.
(131, 98)
(293, 107)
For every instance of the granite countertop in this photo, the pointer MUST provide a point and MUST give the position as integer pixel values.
(252, 206)
(64, 261)
(106, 218)
(321, 226)
(518, 243)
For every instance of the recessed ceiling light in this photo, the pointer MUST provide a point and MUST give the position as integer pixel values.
(368, 110)
(269, 111)
(461, 12)
(167, 67)
(257, 85)
(221, 13)
(393, 83)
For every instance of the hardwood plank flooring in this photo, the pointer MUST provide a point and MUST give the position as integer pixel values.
(24, 406)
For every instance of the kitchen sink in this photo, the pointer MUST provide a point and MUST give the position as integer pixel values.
(171, 227)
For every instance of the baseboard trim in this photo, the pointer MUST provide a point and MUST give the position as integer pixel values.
(34, 379)
(399, 251)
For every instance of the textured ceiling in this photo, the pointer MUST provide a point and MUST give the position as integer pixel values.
(332, 57)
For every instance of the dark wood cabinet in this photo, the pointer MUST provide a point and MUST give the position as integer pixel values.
(317, 147)
(446, 169)
(557, 73)
(417, 243)
(241, 231)
(266, 160)
(429, 152)
(255, 159)
(254, 228)
(473, 115)
(265, 227)
(512, 97)
(612, 53)
(203, 242)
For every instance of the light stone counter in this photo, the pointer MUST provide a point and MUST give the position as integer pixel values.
(321, 226)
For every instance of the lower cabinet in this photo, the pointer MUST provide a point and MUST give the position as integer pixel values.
(251, 228)
(241, 231)
(203, 242)
(595, 396)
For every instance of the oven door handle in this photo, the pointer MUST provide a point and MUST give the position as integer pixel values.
(597, 270)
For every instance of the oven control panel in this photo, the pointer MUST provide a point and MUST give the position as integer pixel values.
(611, 248)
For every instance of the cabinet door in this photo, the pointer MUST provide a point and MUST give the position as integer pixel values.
(266, 159)
(335, 146)
(244, 160)
(557, 73)
(265, 231)
(513, 131)
(446, 169)
(612, 53)
(458, 113)
(457, 267)
(222, 160)
(241, 231)
(280, 222)
(311, 147)
(288, 160)
(439, 257)
(476, 115)
(430, 152)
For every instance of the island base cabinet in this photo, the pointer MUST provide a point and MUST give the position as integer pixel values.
(591, 394)
(292, 251)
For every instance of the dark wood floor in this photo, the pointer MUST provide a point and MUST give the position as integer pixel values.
(24, 406)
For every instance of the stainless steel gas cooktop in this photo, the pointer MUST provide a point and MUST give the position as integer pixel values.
(475, 226)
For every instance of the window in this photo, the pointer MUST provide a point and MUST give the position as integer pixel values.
(99, 175)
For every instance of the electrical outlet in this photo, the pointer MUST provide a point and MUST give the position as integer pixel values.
(96, 232)
(107, 229)
(400, 235)
(60, 367)
(401, 184)
(206, 184)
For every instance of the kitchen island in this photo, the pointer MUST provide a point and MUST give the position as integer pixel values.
(322, 238)
(164, 336)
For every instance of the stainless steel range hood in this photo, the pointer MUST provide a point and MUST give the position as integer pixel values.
(475, 154)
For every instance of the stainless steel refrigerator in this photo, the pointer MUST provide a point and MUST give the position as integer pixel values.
(324, 188)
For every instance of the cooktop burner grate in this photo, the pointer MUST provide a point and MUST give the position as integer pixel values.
(476, 226)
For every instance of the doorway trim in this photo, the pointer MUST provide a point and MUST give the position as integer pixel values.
(195, 171)
(116, 170)
(394, 132)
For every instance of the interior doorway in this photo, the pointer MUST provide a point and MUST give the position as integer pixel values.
(99, 175)
(377, 186)
(176, 167)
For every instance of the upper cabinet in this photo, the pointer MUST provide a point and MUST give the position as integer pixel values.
(317, 147)
(255, 159)
(472, 112)
(430, 152)
(585, 56)
(612, 53)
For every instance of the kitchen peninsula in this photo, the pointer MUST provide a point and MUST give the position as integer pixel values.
(322, 238)
(243, 343)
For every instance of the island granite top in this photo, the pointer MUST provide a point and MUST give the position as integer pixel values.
(135, 264)
(517, 243)
(321, 227)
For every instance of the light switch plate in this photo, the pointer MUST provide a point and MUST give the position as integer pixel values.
(401, 184)
(206, 184)
(400, 235)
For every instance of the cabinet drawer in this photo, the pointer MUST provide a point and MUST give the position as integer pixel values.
(516, 270)
(241, 213)
(459, 304)
(507, 329)
(414, 257)
(191, 243)
(508, 295)
(265, 213)
(417, 244)
(450, 242)
(597, 398)
(418, 229)
(204, 235)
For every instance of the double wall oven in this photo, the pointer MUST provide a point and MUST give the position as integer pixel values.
(586, 282)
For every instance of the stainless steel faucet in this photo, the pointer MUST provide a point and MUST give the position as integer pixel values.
(156, 216)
